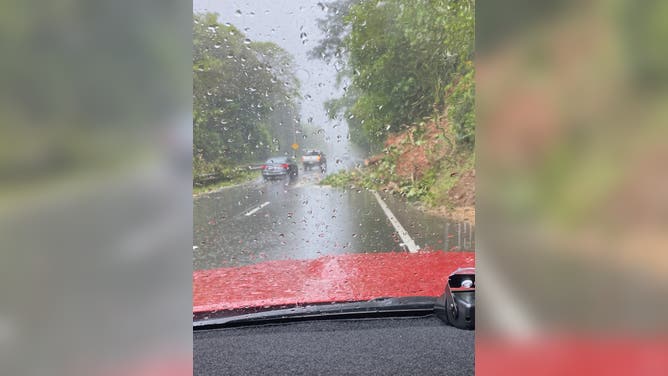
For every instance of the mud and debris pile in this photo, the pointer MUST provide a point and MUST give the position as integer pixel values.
(423, 164)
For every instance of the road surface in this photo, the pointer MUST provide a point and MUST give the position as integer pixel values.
(300, 219)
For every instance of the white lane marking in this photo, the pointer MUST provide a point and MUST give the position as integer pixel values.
(408, 241)
(255, 210)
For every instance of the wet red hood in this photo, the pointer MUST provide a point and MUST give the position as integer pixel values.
(343, 278)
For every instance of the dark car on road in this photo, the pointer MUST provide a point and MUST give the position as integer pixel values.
(314, 158)
(279, 168)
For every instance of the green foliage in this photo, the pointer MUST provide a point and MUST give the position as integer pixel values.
(244, 95)
(405, 61)
(431, 189)
(445, 175)
(341, 179)
(211, 175)
(461, 109)
(331, 47)
(225, 176)
(401, 57)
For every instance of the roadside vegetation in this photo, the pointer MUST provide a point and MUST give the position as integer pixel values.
(219, 179)
(407, 71)
(245, 102)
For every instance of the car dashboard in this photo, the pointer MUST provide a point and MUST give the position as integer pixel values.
(412, 345)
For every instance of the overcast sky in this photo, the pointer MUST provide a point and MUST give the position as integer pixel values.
(282, 22)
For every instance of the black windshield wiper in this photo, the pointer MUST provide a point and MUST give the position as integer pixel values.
(456, 307)
(381, 307)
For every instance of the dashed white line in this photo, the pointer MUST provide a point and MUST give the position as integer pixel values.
(408, 241)
(255, 210)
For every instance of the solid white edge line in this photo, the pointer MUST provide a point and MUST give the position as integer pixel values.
(408, 241)
(255, 210)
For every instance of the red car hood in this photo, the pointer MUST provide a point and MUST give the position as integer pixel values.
(343, 278)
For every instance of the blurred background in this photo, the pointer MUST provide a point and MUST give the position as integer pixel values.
(95, 202)
(572, 187)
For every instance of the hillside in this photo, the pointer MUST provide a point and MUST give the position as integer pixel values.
(423, 165)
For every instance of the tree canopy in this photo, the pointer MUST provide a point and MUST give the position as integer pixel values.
(245, 95)
(405, 60)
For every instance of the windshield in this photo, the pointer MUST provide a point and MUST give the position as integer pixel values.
(278, 160)
(384, 90)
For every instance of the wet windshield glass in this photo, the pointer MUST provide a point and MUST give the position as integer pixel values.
(382, 93)
(277, 160)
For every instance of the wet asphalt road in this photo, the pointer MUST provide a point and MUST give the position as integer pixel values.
(300, 219)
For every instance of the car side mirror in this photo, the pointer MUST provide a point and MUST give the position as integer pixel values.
(457, 304)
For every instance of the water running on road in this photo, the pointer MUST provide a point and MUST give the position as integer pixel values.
(302, 220)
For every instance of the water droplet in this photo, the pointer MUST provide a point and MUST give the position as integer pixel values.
(238, 13)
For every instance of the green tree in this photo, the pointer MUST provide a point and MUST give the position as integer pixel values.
(245, 94)
(403, 58)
